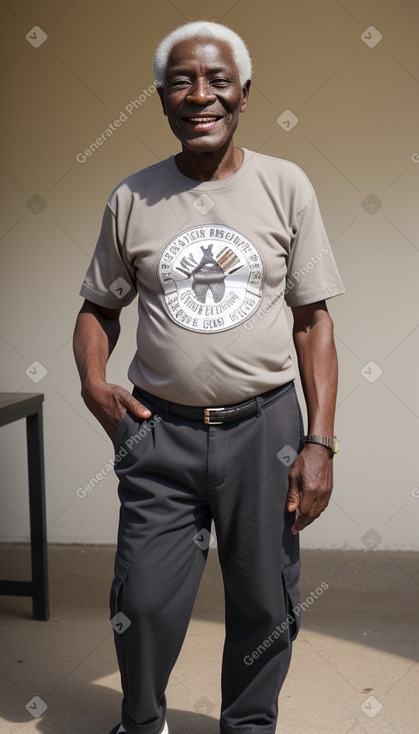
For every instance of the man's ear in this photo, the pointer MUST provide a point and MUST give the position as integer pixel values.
(160, 91)
(245, 95)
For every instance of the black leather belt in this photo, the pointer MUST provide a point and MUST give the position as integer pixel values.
(213, 416)
(210, 416)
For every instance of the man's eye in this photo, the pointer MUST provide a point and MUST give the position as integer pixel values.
(220, 82)
(179, 83)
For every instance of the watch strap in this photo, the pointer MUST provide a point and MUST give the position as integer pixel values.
(330, 443)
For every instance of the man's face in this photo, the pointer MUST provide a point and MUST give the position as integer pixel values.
(202, 96)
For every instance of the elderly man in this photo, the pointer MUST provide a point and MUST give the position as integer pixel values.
(215, 241)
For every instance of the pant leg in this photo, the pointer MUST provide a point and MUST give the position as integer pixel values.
(158, 565)
(260, 561)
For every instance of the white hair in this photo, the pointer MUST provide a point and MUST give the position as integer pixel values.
(203, 29)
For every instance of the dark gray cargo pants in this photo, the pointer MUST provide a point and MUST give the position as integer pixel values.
(174, 476)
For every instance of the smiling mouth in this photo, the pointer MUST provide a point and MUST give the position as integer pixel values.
(202, 118)
(202, 122)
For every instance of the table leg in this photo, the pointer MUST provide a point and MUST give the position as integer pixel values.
(35, 447)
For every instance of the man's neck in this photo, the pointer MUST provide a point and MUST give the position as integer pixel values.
(210, 166)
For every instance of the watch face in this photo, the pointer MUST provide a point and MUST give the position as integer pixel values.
(335, 445)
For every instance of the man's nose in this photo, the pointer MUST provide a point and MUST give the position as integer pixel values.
(200, 92)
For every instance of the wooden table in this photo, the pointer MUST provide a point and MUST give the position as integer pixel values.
(13, 407)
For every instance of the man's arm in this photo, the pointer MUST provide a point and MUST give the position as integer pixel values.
(95, 336)
(311, 476)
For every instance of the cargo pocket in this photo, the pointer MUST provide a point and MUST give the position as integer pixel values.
(121, 569)
(291, 578)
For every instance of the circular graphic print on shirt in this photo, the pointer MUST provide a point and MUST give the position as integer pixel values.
(212, 278)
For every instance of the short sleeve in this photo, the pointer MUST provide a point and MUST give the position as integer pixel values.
(110, 280)
(312, 274)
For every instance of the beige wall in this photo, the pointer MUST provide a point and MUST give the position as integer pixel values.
(357, 136)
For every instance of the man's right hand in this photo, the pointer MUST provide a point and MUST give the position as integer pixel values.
(95, 335)
(108, 403)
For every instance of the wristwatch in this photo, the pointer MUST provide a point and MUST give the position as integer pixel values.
(330, 443)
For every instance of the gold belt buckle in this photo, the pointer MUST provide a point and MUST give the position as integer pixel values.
(207, 416)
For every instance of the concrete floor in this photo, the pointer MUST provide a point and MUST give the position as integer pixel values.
(354, 665)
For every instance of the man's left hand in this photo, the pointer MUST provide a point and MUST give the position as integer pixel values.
(310, 485)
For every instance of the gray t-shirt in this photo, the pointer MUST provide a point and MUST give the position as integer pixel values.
(212, 263)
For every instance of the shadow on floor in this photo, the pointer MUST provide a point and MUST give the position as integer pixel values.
(368, 598)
